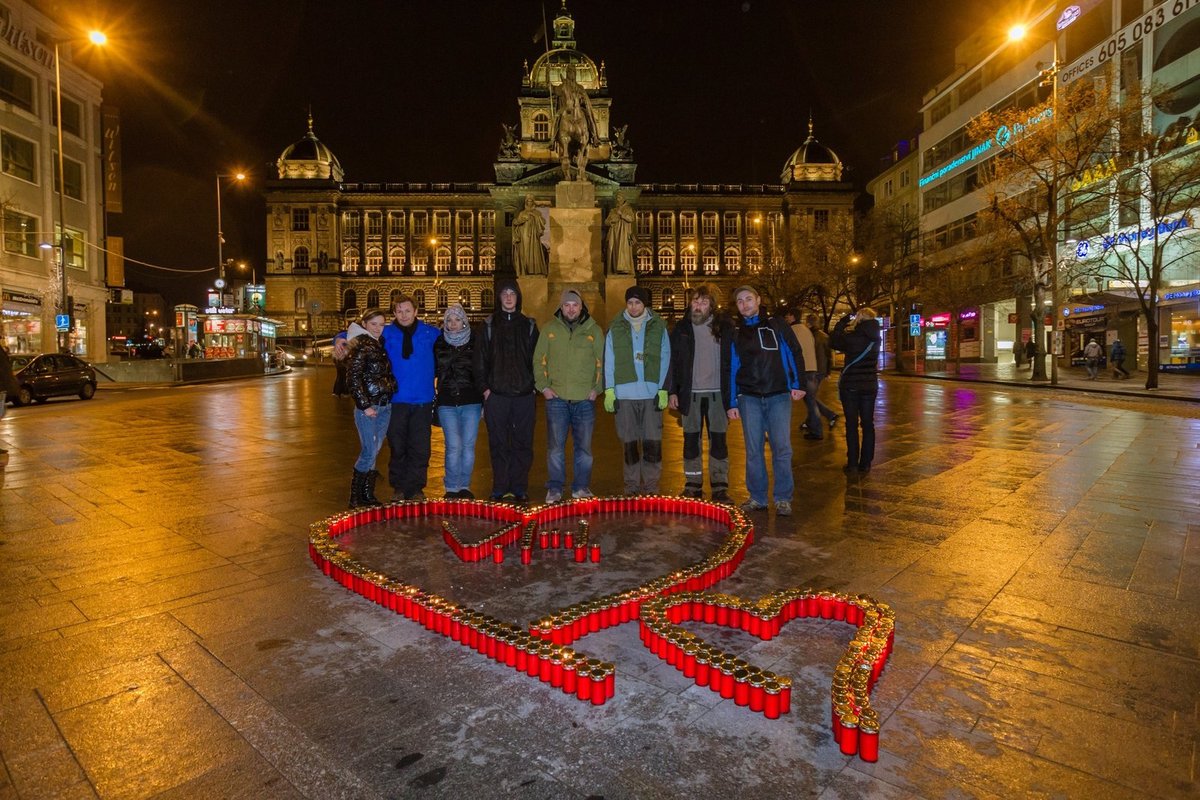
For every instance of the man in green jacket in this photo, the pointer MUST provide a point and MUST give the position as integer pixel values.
(568, 367)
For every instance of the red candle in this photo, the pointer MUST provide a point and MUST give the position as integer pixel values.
(555, 539)
(498, 554)
(526, 554)
(580, 554)
(544, 539)
(595, 552)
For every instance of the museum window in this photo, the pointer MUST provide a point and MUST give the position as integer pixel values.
(733, 259)
(393, 297)
(374, 259)
(644, 222)
(487, 260)
(441, 260)
(375, 224)
(18, 157)
(353, 225)
(420, 224)
(16, 87)
(754, 261)
(373, 298)
(666, 260)
(466, 260)
(687, 224)
(487, 299)
(464, 298)
(541, 127)
(301, 298)
(299, 219)
(72, 114)
(349, 300)
(710, 262)
(732, 224)
(418, 297)
(466, 224)
(441, 224)
(396, 259)
(300, 259)
(708, 224)
(20, 233)
(443, 299)
(420, 261)
(396, 224)
(350, 259)
(74, 170)
(687, 260)
(666, 223)
(487, 224)
(820, 219)
(645, 259)
(668, 300)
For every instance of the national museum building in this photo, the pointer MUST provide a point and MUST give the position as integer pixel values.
(335, 248)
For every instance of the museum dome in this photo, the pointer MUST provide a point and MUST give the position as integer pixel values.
(812, 161)
(552, 65)
(309, 158)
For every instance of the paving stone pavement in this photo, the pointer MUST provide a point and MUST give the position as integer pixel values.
(164, 634)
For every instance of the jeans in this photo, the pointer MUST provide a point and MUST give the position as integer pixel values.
(858, 405)
(510, 440)
(409, 432)
(1093, 367)
(580, 417)
(767, 419)
(816, 409)
(372, 431)
(460, 427)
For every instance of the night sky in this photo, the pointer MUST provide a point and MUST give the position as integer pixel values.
(712, 91)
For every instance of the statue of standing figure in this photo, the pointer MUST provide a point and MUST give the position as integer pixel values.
(620, 238)
(574, 127)
(529, 257)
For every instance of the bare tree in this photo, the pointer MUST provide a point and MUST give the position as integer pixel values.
(889, 238)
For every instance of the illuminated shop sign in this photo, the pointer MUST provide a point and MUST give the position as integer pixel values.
(220, 310)
(968, 315)
(1004, 134)
(1127, 37)
(1131, 236)
(1181, 295)
(1094, 174)
(1081, 310)
(938, 321)
(1069, 15)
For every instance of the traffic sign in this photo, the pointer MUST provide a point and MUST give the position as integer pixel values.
(914, 330)
(62, 322)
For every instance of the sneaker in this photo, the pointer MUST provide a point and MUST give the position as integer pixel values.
(783, 508)
(553, 496)
(833, 421)
(720, 496)
(508, 497)
(465, 494)
(582, 494)
(752, 505)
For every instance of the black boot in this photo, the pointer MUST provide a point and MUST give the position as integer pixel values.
(368, 495)
(358, 490)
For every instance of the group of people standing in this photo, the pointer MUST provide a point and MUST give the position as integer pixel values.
(405, 376)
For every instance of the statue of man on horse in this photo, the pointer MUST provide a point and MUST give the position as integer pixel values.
(574, 126)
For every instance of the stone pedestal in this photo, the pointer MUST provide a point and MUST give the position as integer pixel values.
(575, 236)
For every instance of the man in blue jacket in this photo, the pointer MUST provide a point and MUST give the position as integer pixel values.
(409, 345)
(761, 367)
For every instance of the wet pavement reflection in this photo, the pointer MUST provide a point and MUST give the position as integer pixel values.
(163, 632)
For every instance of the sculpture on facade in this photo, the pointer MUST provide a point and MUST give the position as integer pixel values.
(574, 127)
(529, 257)
(510, 147)
(621, 150)
(619, 241)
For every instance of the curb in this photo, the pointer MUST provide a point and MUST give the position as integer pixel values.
(1144, 394)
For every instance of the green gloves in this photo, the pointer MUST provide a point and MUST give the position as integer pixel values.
(610, 400)
(662, 399)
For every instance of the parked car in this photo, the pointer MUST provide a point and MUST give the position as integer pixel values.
(51, 375)
(291, 356)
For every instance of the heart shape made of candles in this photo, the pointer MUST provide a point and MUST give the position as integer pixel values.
(542, 650)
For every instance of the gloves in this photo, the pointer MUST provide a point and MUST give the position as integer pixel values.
(662, 399)
(610, 400)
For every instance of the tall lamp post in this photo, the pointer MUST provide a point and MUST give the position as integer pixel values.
(236, 176)
(96, 38)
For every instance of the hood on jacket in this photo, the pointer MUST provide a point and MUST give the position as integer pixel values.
(354, 331)
(508, 284)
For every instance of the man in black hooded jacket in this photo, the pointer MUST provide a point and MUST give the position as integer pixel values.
(504, 370)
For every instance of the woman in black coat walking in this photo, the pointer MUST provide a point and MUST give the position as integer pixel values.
(858, 337)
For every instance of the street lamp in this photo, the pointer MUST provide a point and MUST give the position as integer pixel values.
(236, 176)
(97, 38)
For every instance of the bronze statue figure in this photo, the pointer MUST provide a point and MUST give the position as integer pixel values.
(529, 257)
(574, 126)
(620, 238)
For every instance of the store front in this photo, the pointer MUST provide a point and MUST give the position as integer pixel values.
(1081, 324)
(23, 323)
(1179, 331)
(237, 336)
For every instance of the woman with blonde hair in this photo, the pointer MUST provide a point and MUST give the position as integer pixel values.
(857, 335)
(371, 383)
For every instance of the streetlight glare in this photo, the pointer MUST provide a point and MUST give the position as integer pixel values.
(1017, 33)
(241, 176)
(97, 37)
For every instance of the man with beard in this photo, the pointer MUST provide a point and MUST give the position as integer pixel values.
(504, 372)
(695, 392)
(567, 371)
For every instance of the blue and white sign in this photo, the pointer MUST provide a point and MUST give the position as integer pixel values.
(62, 322)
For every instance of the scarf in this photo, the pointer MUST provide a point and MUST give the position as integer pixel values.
(456, 338)
(406, 344)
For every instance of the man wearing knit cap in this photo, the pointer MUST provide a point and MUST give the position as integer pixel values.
(567, 366)
(637, 363)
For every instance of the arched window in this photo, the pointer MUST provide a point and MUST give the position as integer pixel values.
(668, 301)
(396, 259)
(443, 299)
(300, 259)
(442, 260)
(466, 260)
(487, 260)
(541, 127)
(350, 260)
(301, 299)
(373, 298)
(418, 297)
(666, 259)
(733, 259)
(349, 300)
(374, 259)
(420, 261)
(393, 297)
(754, 260)
(487, 299)
(645, 259)
(464, 298)
(710, 263)
(687, 260)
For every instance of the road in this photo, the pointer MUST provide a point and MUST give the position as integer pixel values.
(163, 633)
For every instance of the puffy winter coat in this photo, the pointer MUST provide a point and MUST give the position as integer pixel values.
(456, 384)
(369, 372)
(861, 347)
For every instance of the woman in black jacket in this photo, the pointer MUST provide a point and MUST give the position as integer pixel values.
(858, 337)
(371, 383)
(459, 400)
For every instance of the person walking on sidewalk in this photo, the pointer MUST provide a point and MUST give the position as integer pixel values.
(409, 344)
(857, 336)
(761, 367)
(370, 382)
(637, 361)
(568, 371)
(504, 373)
(1116, 354)
(1092, 353)
(1031, 351)
(695, 392)
(459, 400)
(807, 339)
(824, 355)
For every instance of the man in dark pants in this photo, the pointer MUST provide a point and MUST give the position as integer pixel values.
(504, 370)
(695, 392)
(409, 345)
